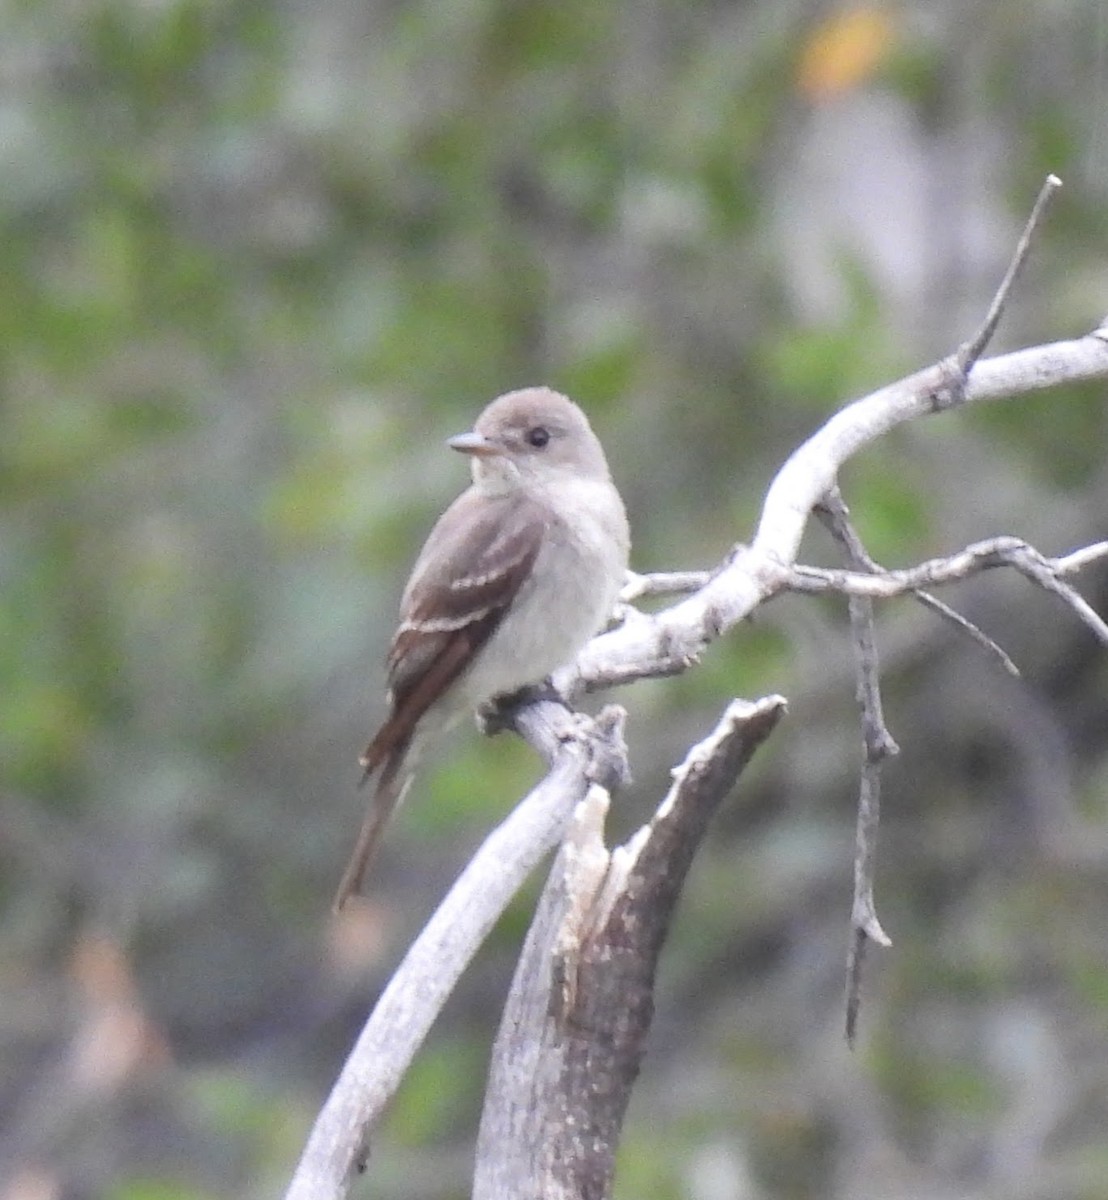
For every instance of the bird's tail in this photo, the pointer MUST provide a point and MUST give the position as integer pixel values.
(391, 786)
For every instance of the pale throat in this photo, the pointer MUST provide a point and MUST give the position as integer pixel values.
(494, 476)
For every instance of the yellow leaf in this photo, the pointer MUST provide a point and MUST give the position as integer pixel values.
(844, 50)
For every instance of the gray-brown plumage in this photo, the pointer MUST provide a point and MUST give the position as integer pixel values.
(518, 573)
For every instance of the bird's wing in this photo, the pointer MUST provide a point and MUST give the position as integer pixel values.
(470, 570)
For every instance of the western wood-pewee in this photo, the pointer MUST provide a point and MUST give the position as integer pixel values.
(516, 576)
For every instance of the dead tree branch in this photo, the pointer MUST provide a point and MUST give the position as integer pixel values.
(574, 1029)
(579, 752)
(1047, 573)
(669, 641)
(595, 915)
(877, 745)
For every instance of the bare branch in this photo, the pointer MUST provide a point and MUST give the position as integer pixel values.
(1012, 552)
(1042, 571)
(966, 626)
(877, 745)
(863, 561)
(1078, 560)
(663, 643)
(662, 583)
(574, 1029)
(669, 641)
(969, 352)
(578, 750)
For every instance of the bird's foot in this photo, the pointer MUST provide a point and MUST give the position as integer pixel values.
(495, 715)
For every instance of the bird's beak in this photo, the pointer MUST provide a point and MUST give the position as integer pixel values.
(474, 443)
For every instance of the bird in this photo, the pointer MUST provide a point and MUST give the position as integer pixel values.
(518, 573)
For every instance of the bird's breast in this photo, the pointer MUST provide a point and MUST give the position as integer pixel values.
(567, 598)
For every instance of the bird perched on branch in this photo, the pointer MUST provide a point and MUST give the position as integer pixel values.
(516, 576)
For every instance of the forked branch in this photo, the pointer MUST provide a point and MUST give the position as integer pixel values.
(667, 642)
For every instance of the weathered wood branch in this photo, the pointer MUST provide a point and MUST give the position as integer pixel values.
(574, 1029)
(581, 754)
(669, 641)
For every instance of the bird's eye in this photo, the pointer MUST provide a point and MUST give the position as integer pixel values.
(539, 436)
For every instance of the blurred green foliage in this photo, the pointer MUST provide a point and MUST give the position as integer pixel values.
(259, 260)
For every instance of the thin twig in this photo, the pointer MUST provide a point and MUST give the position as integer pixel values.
(953, 372)
(863, 560)
(969, 352)
(1033, 566)
(877, 745)
(668, 642)
(1012, 552)
(974, 632)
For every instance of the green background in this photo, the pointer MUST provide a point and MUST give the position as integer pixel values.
(259, 260)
